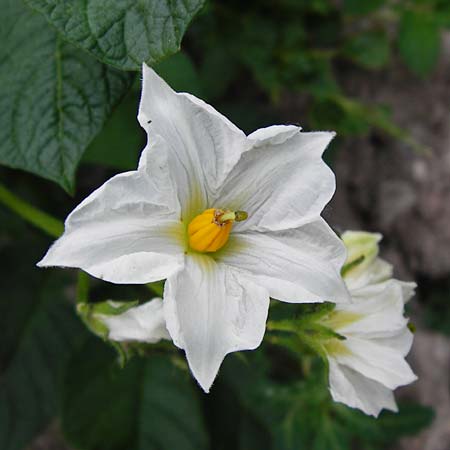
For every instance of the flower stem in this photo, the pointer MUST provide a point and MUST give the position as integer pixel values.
(39, 219)
(82, 287)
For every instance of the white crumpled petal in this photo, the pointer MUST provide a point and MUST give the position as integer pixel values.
(400, 342)
(377, 362)
(375, 273)
(405, 293)
(297, 265)
(143, 323)
(282, 182)
(212, 310)
(128, 230)
(203, 144)
(274, 134)
(380, 315)
(353, 389)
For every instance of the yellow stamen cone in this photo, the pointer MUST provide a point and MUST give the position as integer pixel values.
(210, 230)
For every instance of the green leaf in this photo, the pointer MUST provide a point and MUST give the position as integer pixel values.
(217, 71)
(419, 41)
(300, 415)
(121, 140)
(123, 34)
(181, 74)
(149, 404)
(30, 382)
(410, 419)
(20, 246)
(53, 98)
(370, 50)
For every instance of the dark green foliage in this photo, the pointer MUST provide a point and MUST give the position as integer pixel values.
(125, 33)
(150, 404)
(53, 98)
(299, 414)
(370, 50)
(39, 330)
(121, 140)
(362, 7)
(419, 41)
(29, 388)
(299, 48)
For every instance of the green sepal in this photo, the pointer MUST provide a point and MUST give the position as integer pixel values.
(111, 307)
(91, 313)
(350, 265)
(312, 312)
(305, 330)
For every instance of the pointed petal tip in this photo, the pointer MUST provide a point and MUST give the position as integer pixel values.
(331, 136)
(43, 262)
(205, 389)
(49, 260)
(204, 378)
(414, 377)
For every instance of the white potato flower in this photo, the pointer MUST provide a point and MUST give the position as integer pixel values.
(228, 219)
(366, 366)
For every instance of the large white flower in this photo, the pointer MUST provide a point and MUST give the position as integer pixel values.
(369, 364)
(228, 219)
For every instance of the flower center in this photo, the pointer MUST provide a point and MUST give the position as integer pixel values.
(210, 230)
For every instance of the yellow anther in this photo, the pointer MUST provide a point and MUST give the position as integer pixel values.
(209, 231)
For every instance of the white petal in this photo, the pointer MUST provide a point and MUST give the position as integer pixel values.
(203, 145)
(212, 310)
(144, 323)
(128, 230)
(380, 314)
(379, 363)
(355, 390)
(281, 183)
(401, 342)
(298, 265)
(275, 134)
(406, 289)
(377, 271)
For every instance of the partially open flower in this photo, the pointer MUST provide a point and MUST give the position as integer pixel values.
(126, 321)
(366, 366)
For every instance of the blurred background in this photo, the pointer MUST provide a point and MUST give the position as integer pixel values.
(375, 71)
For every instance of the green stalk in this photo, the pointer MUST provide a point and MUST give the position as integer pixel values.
(82, 287)
(39, 219)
